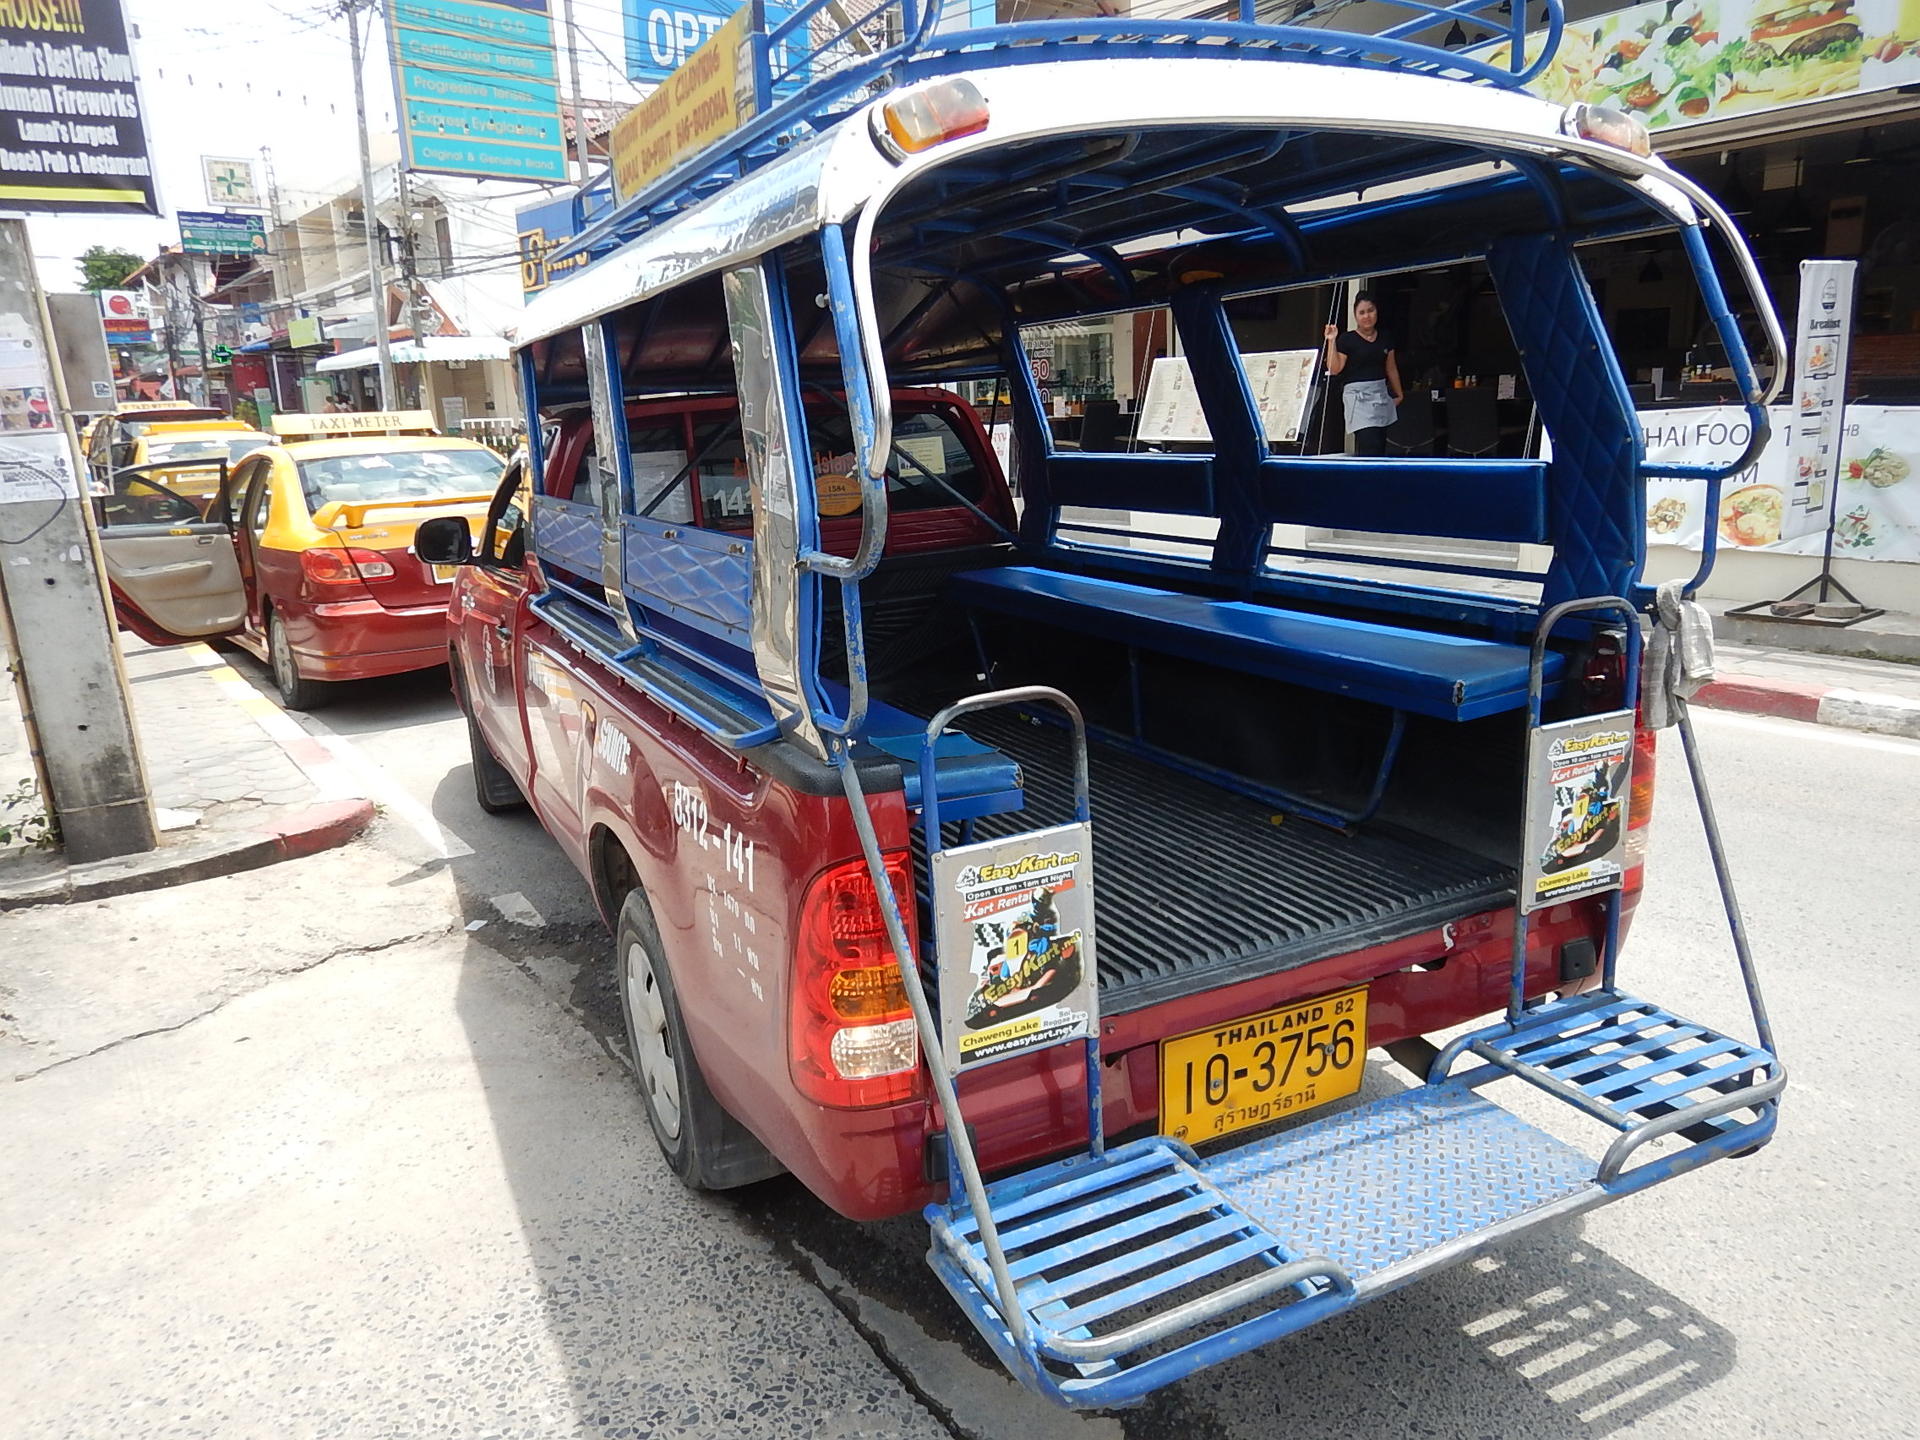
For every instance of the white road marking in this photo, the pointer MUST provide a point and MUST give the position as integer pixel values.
(391, 796)
(516, 909)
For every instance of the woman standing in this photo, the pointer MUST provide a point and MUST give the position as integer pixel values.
(1364, 357)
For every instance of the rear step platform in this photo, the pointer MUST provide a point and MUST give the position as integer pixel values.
(1142, 1265)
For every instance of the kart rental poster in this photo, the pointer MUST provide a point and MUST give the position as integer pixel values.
(1015, 930)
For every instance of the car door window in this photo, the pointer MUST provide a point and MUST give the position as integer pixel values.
(504, 540)
(233, 498)
(136, 500)
(259, 500)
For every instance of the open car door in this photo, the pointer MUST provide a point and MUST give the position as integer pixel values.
(171, 568)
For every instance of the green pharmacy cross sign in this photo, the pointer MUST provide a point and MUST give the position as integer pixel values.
(211, 233)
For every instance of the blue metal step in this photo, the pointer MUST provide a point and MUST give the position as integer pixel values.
(1637, 1067)
(1139, 1267)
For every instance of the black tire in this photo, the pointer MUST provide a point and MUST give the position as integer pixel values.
(296, 691)
(494, 788)
(704, 1145)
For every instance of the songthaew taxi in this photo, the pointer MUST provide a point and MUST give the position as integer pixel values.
(1062, 867)
(303, 555)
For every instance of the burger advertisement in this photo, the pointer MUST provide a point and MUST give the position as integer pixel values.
(1681, 62)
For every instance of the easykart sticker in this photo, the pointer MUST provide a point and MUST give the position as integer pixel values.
(1014, 923)
(1578, 782)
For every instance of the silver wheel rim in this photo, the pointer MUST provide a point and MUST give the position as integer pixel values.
(647, 1019)
(284, 675)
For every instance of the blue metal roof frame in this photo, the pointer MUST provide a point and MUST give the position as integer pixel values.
(849, 71)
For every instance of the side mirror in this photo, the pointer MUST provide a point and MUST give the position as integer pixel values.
(443, 540)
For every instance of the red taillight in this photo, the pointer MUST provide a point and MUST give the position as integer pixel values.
(853, 1040)
(1640, 801)
(1605, 677)
(330, 565)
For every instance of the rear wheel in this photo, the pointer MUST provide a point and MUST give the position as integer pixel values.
(296, 691)
(706, 1147)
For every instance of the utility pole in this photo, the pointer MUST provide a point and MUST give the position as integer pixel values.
(410, 277)
(73, 691)
(376, 269)
(579, 106)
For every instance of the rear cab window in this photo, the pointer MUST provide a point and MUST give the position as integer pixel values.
(397, 475)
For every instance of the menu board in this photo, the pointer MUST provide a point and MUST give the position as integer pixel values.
(1683, 63)
(1281, 381)
(1820, 339)
(1875, 494)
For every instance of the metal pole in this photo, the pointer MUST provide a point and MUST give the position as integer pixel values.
(72, 687)
(370, 222)
(573, 80)
(410, 278)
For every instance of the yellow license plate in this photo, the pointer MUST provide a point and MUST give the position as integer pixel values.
(1263, 1067)
(444, 574)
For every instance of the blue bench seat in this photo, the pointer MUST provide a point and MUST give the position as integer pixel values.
(1450, 677)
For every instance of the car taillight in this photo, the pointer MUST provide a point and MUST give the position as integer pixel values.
(1605, 676)
(1640, 799)
(853, 1040)
(325, 565)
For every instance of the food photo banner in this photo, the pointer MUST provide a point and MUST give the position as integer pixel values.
(1686, 63)
(1876, 499)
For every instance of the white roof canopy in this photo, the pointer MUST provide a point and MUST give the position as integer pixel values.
(434, 350)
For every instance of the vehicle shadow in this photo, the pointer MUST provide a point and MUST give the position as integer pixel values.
(667, 1316)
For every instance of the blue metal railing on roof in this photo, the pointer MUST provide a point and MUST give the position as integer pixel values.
(823, 59)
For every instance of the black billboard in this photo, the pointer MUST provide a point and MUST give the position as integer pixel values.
(72, 139)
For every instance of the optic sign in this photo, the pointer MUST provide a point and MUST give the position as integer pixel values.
(662, 34)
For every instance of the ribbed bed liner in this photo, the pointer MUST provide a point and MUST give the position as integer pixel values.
(1190, 877)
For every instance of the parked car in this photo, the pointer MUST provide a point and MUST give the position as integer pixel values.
(110, 439)
(304, 558)
(177, 444)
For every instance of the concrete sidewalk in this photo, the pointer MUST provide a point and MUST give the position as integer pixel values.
(236, 783)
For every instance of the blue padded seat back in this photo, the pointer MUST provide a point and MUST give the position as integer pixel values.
(1451, 677)
(1596, 515)
(1460, 499)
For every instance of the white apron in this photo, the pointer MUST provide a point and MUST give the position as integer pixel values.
(1369, 405)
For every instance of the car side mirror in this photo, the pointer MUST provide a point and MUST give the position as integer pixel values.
(443, 540)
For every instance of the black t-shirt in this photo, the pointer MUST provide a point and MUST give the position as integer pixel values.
(1366, 359)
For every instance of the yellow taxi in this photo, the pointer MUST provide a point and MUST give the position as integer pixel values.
(305, 557)
(180, 443)
(109, 441)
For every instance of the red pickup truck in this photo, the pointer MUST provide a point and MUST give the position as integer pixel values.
(769, 1027)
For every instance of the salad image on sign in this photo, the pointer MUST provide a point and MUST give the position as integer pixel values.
(1015, 944)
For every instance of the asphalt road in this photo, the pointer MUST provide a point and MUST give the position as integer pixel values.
(1766, 1297)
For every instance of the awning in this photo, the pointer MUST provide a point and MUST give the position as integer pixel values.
(348, 360)
(435, 349)
(253, 347)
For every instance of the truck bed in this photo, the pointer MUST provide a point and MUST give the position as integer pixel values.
(1196, 886)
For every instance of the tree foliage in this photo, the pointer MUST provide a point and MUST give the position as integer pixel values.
(102, 268)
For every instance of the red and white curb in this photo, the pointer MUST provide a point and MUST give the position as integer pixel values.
(1818, 704)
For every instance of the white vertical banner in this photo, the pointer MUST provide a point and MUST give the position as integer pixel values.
(1820, 341)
